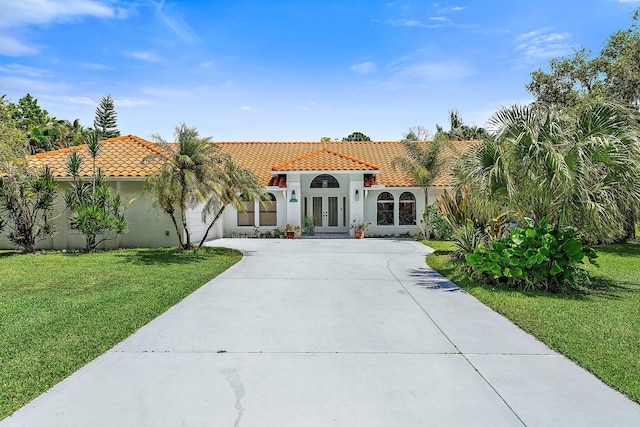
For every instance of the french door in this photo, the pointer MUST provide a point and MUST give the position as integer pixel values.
(328, 213)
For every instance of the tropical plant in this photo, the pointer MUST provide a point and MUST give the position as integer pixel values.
(14, 141)
(96, 212)
(106, 119)
(575, 167)
(308, 226)
(26, 200)
(421, 162)
(536, 257)
(230, 184)
(440, 228)
(190, 175)
(467, 239)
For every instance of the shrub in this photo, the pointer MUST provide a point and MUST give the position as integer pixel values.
(308, 227)
(540, 257)
(467, 239)
(26, 199)
(439, 227)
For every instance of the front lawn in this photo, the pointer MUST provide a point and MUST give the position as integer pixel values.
(598, 329)
(59, 311)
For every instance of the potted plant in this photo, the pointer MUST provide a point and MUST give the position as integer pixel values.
(292, 230)
(359, 227)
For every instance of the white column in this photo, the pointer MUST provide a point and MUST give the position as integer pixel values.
(356, 200)
(293, 205)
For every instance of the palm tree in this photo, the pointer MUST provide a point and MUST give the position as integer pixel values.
(578, 168)
(233, 186)
(191, 168)
(422, 163)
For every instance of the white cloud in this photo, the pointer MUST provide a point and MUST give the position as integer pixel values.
(27, 12)
(16, 14)
(148, 56)
(82, 100)
(94, 66)
(129, 103)
(207, 64)
(364, 68)
(430, 71)
(439, 19)
(23, 70)
(251, 109)
(11, 46)
(175, 21)
(541, 44)
(628, 1)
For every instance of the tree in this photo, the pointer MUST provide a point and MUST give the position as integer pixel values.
(417, 133)
(95, 209)
(613, 74)
(577, 167)
(191, 165)
(458, 131)
(233, 185)
(26, 200)
(14, 142)
(36, 122)
(325, 139)
(422, 163)
(356, 136)
(105, 122)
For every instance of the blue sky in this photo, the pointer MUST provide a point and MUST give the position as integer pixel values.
(245, 70)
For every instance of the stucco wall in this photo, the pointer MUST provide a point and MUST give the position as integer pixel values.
(147, 225)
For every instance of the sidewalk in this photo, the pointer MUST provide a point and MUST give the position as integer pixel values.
(323, 333)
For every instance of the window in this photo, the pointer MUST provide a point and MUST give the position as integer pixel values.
(385, 209)
(247, 215)
(407, 209)
(268, 211)
(325, 181)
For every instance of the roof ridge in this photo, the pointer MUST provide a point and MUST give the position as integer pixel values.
(351, 158)
(296, 159)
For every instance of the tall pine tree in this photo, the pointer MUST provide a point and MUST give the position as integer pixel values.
(105, 122)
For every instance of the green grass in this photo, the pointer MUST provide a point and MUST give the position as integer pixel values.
(59, 311)
(599, 329)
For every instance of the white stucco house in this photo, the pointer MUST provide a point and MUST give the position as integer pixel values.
(333, 183)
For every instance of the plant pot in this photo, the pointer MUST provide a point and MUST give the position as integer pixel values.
(291, 234)
(358, 234)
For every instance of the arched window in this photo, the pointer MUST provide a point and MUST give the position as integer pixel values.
(246, 213)
(385, 209)
(407, 209)
(268, 211)
(325, 181)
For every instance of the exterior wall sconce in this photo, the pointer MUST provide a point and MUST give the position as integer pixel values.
(293, 196)
(357, 195)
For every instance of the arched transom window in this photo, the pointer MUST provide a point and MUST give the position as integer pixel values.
(325, 181)
(385, 209)
(407, 208)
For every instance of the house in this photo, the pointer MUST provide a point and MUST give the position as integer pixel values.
(333, 183)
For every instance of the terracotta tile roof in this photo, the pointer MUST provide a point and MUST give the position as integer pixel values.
(124, 156)
(324, 159)
(262, 157)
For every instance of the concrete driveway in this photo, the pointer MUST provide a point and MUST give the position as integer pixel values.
(323, 333)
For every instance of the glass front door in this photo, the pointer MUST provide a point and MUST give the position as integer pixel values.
(326, 213)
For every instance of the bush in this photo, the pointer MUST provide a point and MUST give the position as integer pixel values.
(438, 227)
(467, 239)
(308, 227)
(540, 257)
